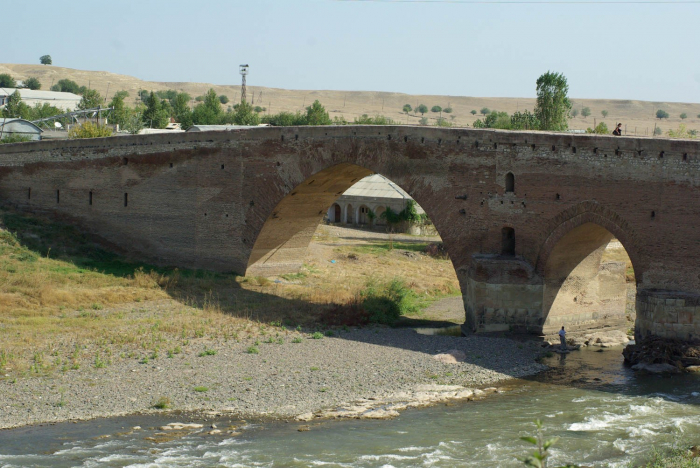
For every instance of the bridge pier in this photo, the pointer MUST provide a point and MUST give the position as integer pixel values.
(668, 314)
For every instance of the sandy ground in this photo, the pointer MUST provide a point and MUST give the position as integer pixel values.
(638, 117)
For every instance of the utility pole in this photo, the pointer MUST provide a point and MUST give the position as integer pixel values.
(243, 70)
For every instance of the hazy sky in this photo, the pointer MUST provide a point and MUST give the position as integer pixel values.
(618, 51)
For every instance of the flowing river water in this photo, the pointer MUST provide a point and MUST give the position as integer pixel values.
(604, 413)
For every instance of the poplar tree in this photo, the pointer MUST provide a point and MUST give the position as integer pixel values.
(553, 104)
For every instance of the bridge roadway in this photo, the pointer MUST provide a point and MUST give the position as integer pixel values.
(525, 216)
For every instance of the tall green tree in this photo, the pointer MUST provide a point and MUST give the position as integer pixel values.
(91, 98)
(246, 115)
(32, 83)
(155, 115)
(120, 114)
(316, 115)
(208, 111)
(422, 109)
(407, 108)
(553, 104)
(45, 60)
(181, 110)
(585, 112)
(6, 81)
(661, 114)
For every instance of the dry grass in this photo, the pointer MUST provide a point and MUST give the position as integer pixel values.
(635, 115)
(66, 303)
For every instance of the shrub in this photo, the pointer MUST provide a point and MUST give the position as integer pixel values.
(604, 113)
(364, 119)
(585, 112)
(89, 130)
(485, 111)
(15, 139)
(6, 81)
(436, 109)
(162, 403)
(600, 129)
(447, 110)
(386, 303)
(423, 121)
(682, 132)
(661, 114)
(207, 352)
(297, 340)
(32, 83)
(684, 116)
(201, 389)
(473, 112)
(317, 336)
(657, 131)
(407, 108)
(441, 122)
(223, 99)
(252, 350)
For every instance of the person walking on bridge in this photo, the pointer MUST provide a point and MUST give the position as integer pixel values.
(618, 130)
(562, 338)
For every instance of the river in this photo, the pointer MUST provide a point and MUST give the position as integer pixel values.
(604, 413)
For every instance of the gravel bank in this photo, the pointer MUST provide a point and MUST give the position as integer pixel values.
(282, 380)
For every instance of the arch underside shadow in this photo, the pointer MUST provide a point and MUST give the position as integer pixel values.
(282, 243)
(581, 291)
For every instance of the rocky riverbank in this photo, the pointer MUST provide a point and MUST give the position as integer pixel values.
(354, 373)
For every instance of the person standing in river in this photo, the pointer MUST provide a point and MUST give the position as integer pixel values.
(562, 338)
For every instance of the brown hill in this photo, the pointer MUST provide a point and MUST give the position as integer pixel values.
(637, 116)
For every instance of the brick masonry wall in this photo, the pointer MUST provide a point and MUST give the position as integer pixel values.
(204, 199)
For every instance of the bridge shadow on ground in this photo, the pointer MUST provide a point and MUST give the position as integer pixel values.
(259, 300)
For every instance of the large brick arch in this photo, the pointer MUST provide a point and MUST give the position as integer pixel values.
(201, 200)
(589, 212)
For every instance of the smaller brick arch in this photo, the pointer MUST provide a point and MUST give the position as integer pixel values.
(589, 212)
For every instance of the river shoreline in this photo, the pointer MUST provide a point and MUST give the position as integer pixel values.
(359, 373)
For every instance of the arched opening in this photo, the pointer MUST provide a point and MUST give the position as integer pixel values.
(349, 214)
(510, 183)
(334, 213)
(589, 282)
(333, 265)
(508, 241)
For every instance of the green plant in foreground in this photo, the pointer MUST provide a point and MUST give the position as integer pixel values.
(201, 389)
(252, 350)
(297, 340)
(162, 403)
(317, 336)
(207, 352)
(539, 457)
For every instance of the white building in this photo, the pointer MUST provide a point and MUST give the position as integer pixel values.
(19, 127)
(375, 193)
(63, 101)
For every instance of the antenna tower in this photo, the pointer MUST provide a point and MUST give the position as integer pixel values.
(243, 70)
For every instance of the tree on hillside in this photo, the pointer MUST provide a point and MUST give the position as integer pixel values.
(6, 81)
(585, 112)
(661, 114)
(45, 60)
(485, 111)
(91, 98)
(684, 115)
(447, 110)
(574, 113)
(473, 112)
(604, 113)
(436, 109)
(524, 121)
(407, 108)
(32, 83)
(316, 115)
(223, 99)
(66, 86)
(553, 105)
(422, 109)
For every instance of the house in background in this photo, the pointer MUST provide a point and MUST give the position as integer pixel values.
(375, 193)
(63, 101)
(19, 127)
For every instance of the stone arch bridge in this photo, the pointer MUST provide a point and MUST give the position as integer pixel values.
(525, 216)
